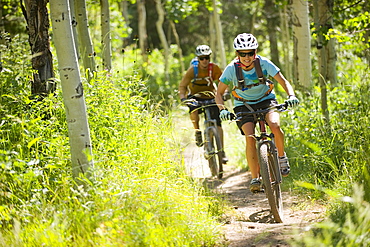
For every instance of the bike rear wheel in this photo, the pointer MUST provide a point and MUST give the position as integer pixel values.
(270, 179)
(213, 152)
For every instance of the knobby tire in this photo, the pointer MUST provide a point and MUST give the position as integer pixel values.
(269, 168)
(214, 153)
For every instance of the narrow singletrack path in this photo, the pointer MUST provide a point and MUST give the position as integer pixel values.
(248, 222)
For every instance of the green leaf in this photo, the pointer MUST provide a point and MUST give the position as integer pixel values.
(31, 143)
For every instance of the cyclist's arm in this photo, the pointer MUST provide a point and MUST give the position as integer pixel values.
(279, 77)
(183, 87)
(222, 87)
(218, 73)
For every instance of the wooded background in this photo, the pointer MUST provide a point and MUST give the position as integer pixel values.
(120, 63)
(296, 35)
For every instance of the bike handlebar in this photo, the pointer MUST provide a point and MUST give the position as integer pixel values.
(280, 107)
(196, 103)
(192, 101)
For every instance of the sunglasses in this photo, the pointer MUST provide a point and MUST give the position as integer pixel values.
(202, 58)
(243, 54)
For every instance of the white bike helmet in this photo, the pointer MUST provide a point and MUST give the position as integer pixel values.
(203, 50)
(245, 41)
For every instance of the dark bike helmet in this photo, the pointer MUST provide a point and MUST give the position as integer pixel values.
(203, 50)
(245, 41)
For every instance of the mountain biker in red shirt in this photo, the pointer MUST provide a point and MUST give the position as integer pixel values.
(255, 95)
(200, 81)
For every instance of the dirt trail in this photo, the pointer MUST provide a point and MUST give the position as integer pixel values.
(248, 222)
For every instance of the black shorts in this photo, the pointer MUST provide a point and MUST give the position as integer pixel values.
(250, 118)
(215, 112)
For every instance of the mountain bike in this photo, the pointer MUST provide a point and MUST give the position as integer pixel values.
(268, 160)
(213, 149)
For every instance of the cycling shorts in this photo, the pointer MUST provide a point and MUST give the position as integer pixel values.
(250, 118)
(215, 112)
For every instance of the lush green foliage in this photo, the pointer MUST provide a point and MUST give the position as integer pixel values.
(351, 229)
(140, 195)
(334, 151)
(330, 156)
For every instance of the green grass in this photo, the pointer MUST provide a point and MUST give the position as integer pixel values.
(140, 194)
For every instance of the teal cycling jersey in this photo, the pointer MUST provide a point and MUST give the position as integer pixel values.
(253, 94)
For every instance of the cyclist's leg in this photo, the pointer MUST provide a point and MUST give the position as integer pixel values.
(273, 120)
(194, 117)
(247, 127)
(251, 151)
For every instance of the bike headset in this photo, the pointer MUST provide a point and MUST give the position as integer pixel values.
(246, 41)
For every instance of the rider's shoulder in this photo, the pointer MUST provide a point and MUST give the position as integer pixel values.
(214, 65)
(189, 72)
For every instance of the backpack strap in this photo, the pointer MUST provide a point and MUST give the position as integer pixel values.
(208, 78)
(210, 69)
(239, 75)
(257, 66)
(195, 63)
(241, 82)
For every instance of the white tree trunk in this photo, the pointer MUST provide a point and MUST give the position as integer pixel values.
(327, 54)
(162, 37)
(320, 16)
(84, 39)
(74, 25)
(106, 37)
(286, 40)
(219, 35)
(212, 38)
(302, 42)
(142, 27)
(177, 38)
(271, 15)
(74, 102)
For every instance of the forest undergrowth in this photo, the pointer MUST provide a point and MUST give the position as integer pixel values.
(140, 194)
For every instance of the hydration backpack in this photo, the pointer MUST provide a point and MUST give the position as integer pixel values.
(195, 62)
(241, 82)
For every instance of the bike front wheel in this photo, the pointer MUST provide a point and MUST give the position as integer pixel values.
(213, 152)
(270, 178)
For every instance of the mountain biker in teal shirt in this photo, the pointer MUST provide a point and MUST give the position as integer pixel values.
(254, 95)
(250, 77)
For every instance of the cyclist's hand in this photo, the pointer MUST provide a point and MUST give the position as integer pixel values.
(226, 115)
(292, 101)
(226, 96)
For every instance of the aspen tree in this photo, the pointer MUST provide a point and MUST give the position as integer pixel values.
(106, 37)
(73, 94)
(302, 44)
(219, 34)
(37, 18)
(84, 39)
(162, 36)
